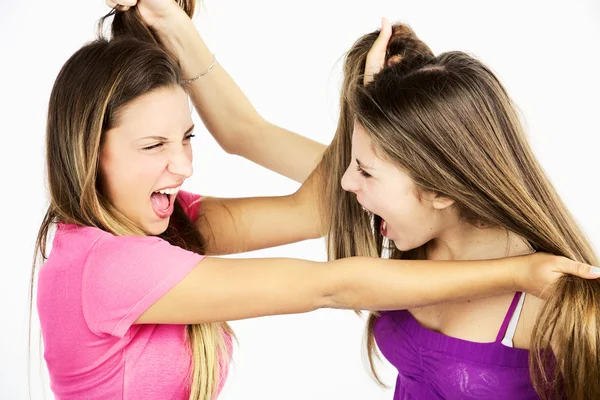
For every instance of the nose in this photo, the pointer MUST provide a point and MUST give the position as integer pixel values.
(349, 181)
(180, 163)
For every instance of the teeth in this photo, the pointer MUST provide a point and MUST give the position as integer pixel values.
(169, 190)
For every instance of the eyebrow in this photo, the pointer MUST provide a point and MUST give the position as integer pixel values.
(190, 129)
(362, 165)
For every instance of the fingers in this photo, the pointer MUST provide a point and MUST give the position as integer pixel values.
(581, 270)
(384, 35)
(376, 56)
(121, 5)
(586, 271)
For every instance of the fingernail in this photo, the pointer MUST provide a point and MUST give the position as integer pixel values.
(595, 270)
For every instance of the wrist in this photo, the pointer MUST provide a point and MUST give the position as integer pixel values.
(163, 22)
(179, 35)
(525, 271)
(506, 273)
(173, 28)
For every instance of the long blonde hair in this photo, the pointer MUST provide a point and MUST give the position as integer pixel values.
(448, 122)
(90, 91)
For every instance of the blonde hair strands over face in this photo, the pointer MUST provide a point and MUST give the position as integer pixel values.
(449, 123)
(90, 91)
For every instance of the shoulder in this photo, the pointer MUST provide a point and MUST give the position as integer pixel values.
(123, 275)
(77, 233)
(72, 243)
(87, 239)
(125, 252)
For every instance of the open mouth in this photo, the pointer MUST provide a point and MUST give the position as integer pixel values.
(382, 226)
(163, 201)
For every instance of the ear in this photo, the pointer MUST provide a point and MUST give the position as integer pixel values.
(441, 202)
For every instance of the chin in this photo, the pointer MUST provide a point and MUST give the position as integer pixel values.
(403, 246)
(157, 228)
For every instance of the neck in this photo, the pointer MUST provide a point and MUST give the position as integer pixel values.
(467, 242)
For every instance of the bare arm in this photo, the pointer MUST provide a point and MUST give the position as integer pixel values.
(227, 113)
(237, 225)
(221, 289)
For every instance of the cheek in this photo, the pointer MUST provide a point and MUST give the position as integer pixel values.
(406, 213)
(125, 177)
(366, 192)
(106, 176)
(140, 176)
(410, 227)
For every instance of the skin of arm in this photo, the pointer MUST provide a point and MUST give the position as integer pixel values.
(227, 113)
(222, 289)
(236, 225)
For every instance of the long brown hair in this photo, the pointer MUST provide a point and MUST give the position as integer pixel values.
(448, 122)
(92, 88)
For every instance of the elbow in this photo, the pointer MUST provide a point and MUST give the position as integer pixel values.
(334, 301)
(338, 291)
(245, 138)
(230, 146)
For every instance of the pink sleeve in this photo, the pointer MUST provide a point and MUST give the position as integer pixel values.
(124, 275)
(190, 203)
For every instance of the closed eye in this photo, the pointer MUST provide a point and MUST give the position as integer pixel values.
(162, 142)
(154, 146)
(363, 172)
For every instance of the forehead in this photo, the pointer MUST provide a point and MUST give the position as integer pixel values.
(364, 150)
(361, 142)
(158, 112)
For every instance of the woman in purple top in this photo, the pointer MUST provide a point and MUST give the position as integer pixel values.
(432, 150)
(439, 161)
(436, 157)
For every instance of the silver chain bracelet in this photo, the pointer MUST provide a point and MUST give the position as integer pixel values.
(214, 62)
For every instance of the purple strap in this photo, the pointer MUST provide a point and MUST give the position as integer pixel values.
(508, 316)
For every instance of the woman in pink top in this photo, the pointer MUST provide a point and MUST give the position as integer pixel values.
(129, 305)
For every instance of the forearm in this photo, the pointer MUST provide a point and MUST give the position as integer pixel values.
(379, 284)
(309, 199)
(226, 111)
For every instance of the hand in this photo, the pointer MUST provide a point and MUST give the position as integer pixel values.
(152, 11)
(543, 269)
(376, 56)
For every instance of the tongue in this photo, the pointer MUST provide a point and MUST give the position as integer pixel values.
(160, 201)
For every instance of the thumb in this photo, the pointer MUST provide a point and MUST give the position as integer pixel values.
(582, 270)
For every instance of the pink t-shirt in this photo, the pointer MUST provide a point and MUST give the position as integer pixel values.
(91, 290)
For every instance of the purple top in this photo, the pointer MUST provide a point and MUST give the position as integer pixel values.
(432, 365)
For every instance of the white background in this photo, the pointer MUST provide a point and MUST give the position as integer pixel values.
(286, 57)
